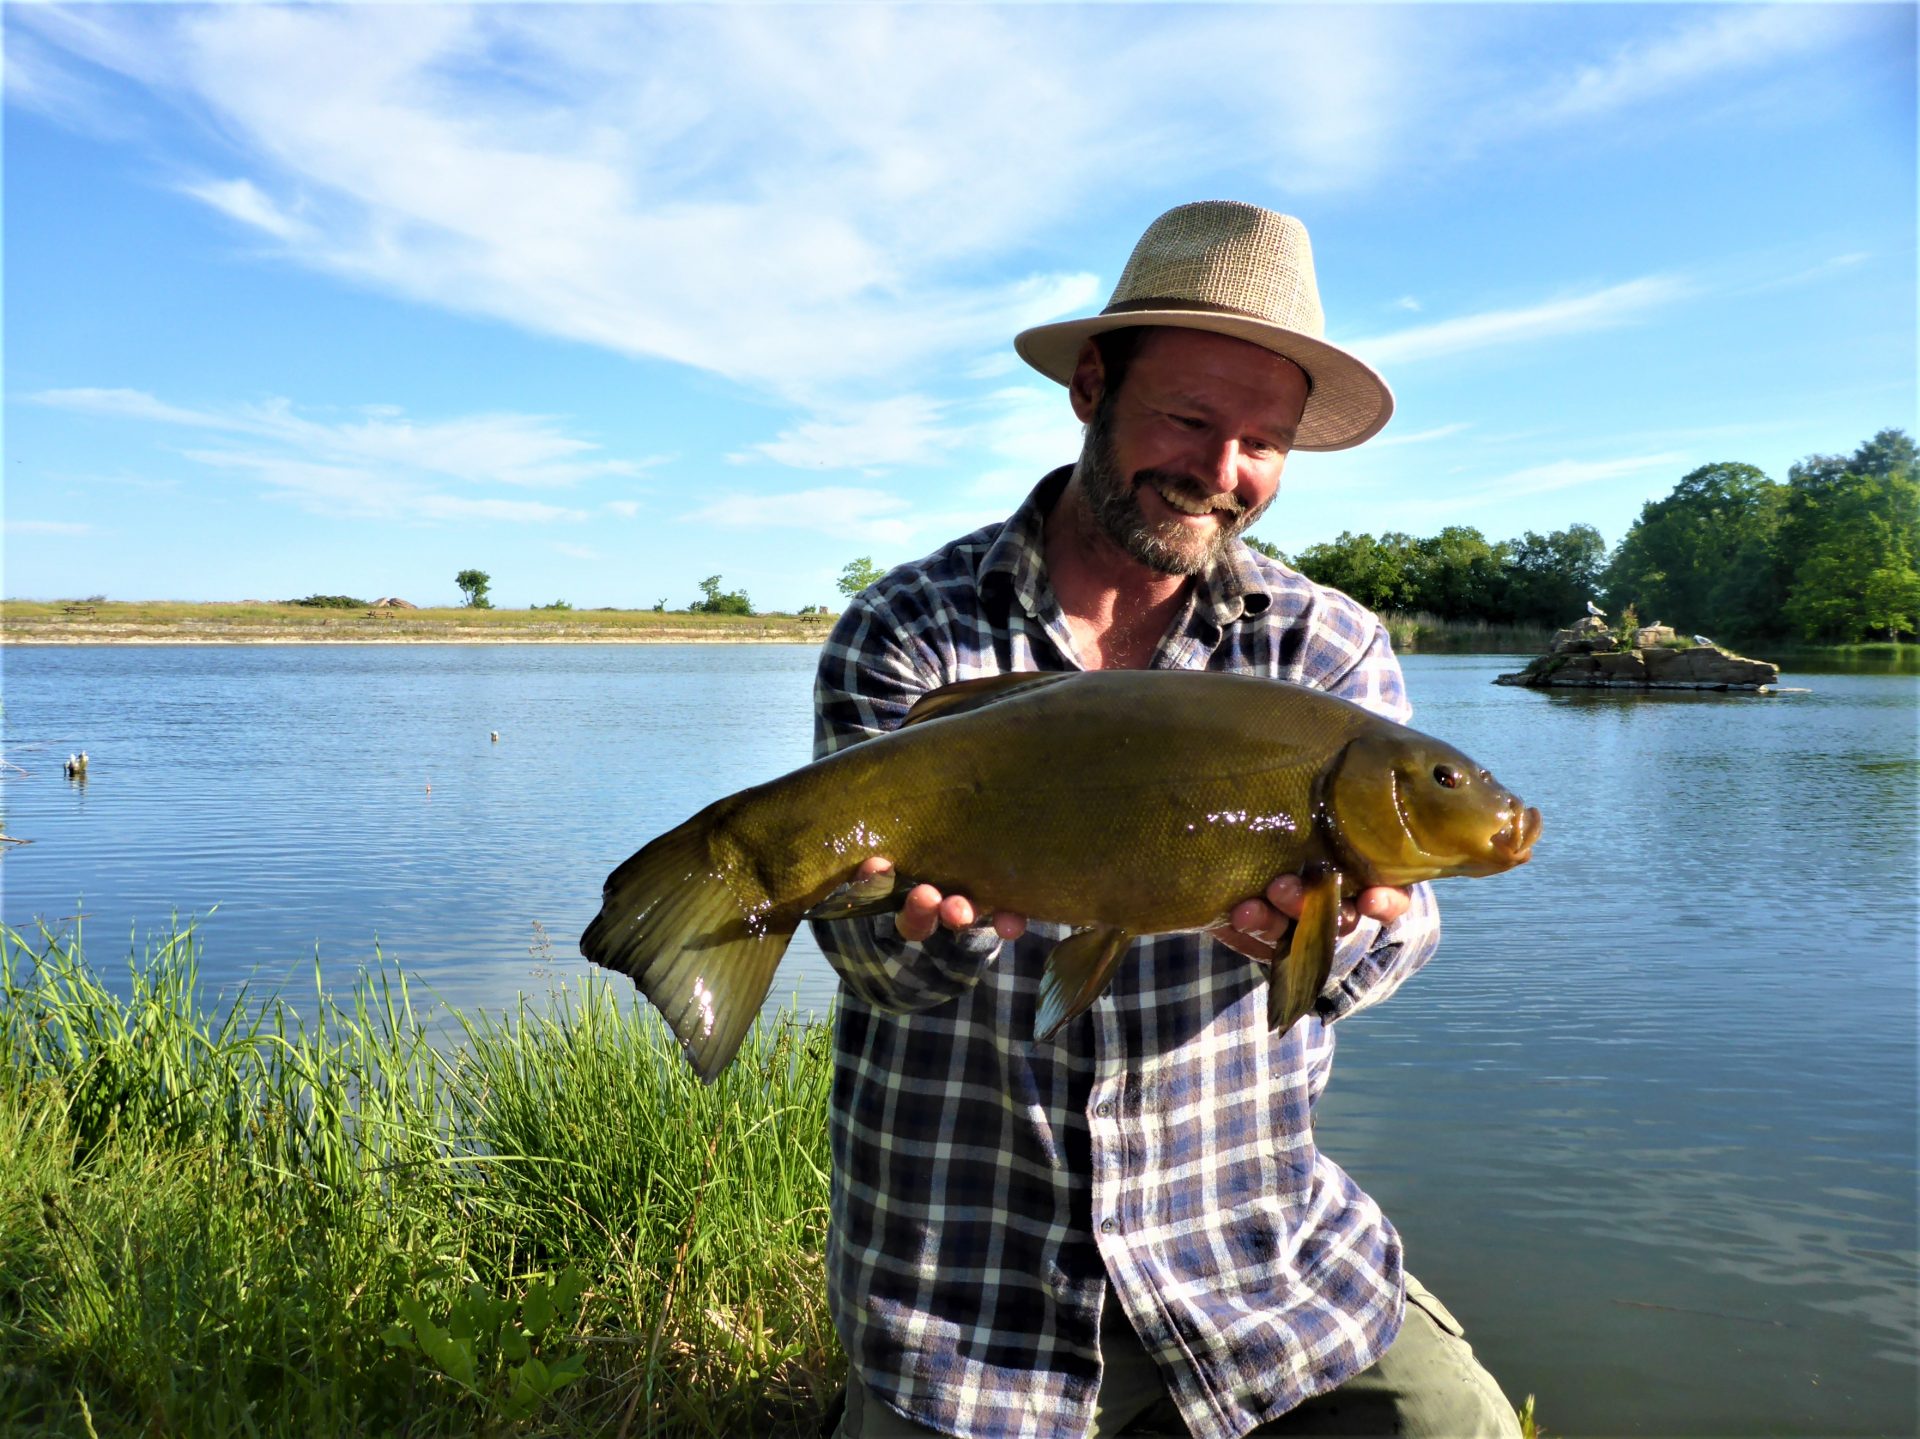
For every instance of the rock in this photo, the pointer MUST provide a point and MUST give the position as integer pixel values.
(392, 602)
(1708, 665)
(1586, 655)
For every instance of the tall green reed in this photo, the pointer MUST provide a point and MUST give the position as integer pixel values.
(213, 1215)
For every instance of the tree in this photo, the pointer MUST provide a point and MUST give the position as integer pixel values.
(1703, 557)
(858, 575)
(1549, 578)
(715, 602)
(1259, 546)
(473, 584)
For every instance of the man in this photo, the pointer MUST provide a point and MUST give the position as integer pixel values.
(1128, 1228)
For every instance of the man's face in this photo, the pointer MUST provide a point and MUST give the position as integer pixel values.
(1188, 451)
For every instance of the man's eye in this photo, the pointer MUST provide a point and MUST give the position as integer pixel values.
(1187, 422)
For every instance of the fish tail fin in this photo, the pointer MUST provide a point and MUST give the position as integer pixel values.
(689, 920)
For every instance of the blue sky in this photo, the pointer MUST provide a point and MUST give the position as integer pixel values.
(604, 300)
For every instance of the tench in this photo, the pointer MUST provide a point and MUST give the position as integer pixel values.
(1120, 802)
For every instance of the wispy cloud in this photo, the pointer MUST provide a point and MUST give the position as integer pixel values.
(869, 516)
(1575, 314)
(1420, 437)
(48, 527)
(1566, 474)
(375, 462)
(507, 449)
(1729, 40)
(897, 430)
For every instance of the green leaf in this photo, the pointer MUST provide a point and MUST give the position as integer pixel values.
(537, 1310)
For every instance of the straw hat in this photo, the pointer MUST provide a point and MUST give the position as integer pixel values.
(1238, 270)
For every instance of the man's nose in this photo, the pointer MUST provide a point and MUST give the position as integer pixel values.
(1221, 467)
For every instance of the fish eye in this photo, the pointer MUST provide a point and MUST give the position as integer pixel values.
(1447, 777)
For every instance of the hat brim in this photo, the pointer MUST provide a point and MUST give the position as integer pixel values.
(1349, 403)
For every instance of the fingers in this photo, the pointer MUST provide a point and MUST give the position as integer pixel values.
(1288, 894)
(926, 909)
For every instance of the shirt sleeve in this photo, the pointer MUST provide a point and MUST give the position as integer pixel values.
(871, 672)
(1375, 960)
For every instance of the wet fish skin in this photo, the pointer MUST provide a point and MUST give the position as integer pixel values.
(1119, 802)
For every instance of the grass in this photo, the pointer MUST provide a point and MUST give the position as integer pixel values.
(1419, 632)
(190, 621)
(267, 1220)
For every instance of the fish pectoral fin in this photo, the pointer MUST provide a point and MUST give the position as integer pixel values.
(1076, 975)
(1294, 981)
(964, 695)
(876, 894)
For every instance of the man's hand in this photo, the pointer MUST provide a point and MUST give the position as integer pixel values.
(926, 909)
(1256, 926)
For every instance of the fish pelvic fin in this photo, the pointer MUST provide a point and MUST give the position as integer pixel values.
(688, 920)
(1077, 974)
(876, 894)
(1294, 981)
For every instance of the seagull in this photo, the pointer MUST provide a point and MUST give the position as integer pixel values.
(76, 765)
(1594, 609)
(494, 735)
(1703, 640)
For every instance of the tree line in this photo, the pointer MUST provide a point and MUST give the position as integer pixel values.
(1831, 555)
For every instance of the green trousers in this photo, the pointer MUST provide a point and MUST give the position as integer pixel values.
(1427, 1385)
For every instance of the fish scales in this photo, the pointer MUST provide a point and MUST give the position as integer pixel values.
(1121, 802)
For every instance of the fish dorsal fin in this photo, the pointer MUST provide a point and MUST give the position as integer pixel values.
(964, 695)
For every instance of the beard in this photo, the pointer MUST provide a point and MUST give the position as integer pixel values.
(1169, 547)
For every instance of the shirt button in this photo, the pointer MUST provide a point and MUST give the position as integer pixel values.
(1107, 1226)
(1105, 1111)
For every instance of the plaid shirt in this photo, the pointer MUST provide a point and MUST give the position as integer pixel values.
(987, 1188)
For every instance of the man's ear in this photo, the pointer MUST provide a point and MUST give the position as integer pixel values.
(1089, 382)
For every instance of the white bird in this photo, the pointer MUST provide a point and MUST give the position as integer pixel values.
(494, 735)
(1594, 609)
(1703, 640)
(76, 765)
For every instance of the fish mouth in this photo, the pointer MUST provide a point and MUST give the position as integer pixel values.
(1514, 843)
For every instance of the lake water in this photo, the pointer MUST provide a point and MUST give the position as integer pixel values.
(1648, 1122)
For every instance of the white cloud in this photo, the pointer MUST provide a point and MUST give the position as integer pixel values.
(1420, 437)
(1604, 309)
(1730, 39)
(903, 429)
(47, 527)
(1566, 474)
(577, 552)
(242, 200)
(625, 508)
(508, 449)
(866, 515)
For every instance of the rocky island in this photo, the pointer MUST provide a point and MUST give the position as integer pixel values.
(1589, 655)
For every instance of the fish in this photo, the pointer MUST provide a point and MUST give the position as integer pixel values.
(1118, 803)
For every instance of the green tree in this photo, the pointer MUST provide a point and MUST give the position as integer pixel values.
(473, 584)
(1456, 574)
(1372, 571)
(1704, 557)
(1549, 578)
(858, 575)
(1271, 551)
(715, 601)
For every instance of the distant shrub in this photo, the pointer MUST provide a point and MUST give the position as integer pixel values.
(556, 605)
(330, 602)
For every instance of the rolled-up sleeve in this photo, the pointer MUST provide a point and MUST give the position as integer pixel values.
(1376, 959)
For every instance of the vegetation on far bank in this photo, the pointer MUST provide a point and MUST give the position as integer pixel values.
(309, 1217)
(1830, 557)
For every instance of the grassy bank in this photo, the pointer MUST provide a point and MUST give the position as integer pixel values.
(300, 1217)
(1422, 633)
(182, 622)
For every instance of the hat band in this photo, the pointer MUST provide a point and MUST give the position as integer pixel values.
(1170, 302)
